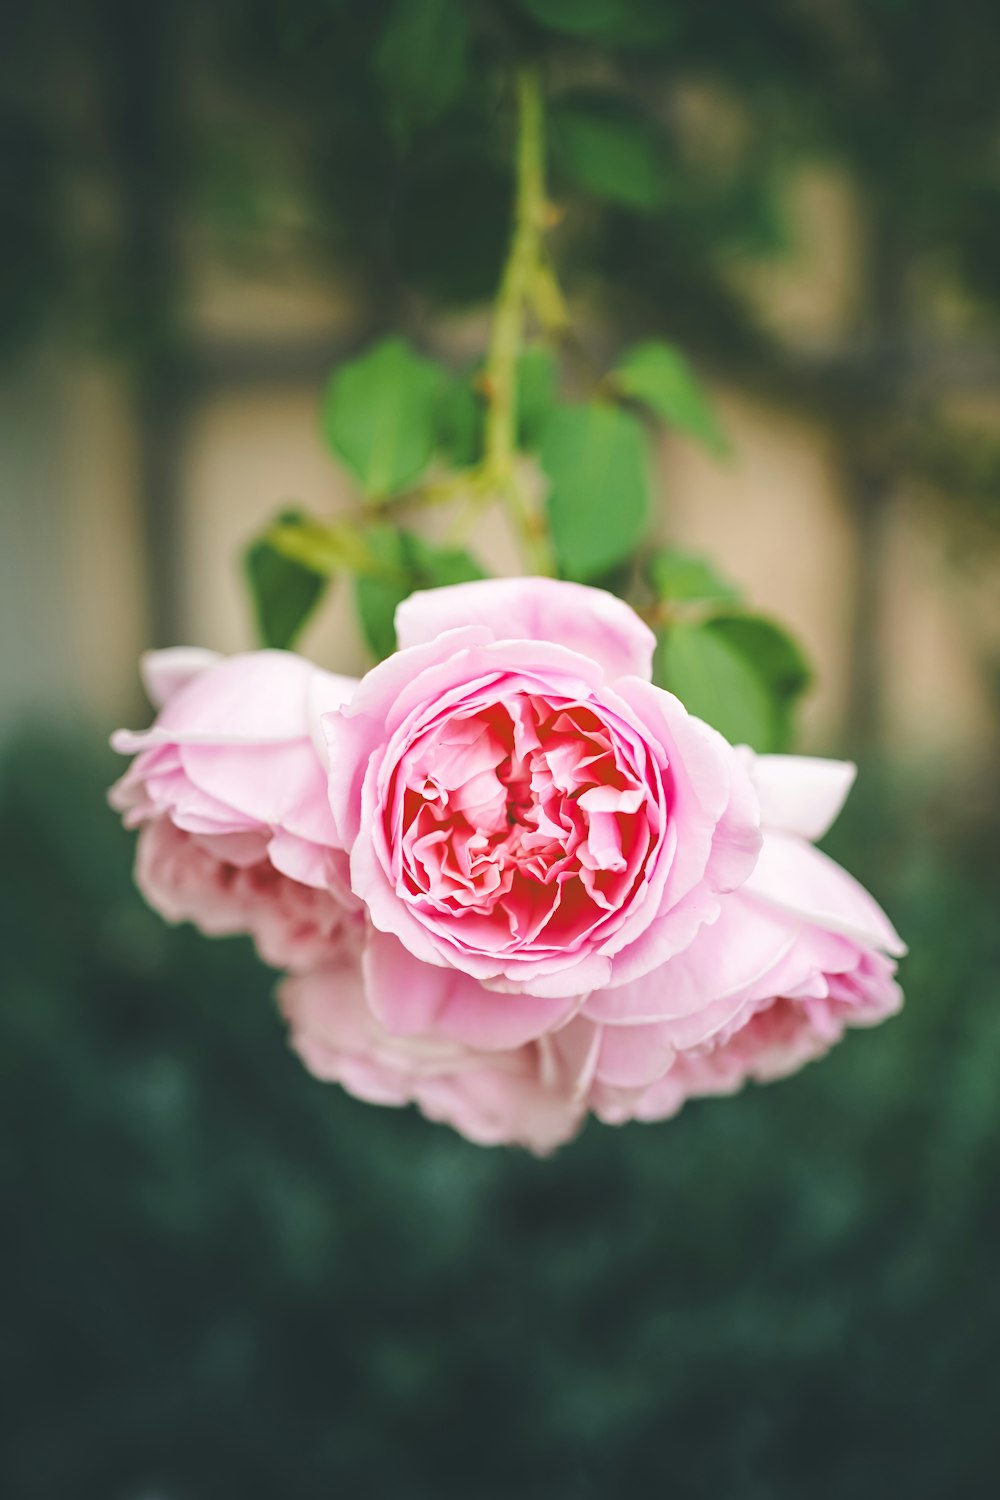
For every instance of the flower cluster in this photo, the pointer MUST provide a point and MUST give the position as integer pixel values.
(509, 879)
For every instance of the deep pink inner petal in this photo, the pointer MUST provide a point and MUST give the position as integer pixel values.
(524, 824)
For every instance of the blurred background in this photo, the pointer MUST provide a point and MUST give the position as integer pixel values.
(224, 1279)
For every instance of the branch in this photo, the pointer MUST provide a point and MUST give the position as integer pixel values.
(525, 265)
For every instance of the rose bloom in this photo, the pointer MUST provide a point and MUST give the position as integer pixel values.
(515, 882)
(229, 793)
(520, 803)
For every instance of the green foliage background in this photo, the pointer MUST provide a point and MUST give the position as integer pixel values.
(224, 1279)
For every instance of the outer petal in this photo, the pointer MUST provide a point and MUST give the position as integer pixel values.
(317, 865)
(354, 732)
(225, 885)
(587, 620)
(633, 1056)
(526, 1096)
(164, 673)
(572, 1052)
(725, 960)
(666, 937)
(497, 1105)
(799, 879)
(799, 794)
(327, 691)
(339, 1039)
(262, 697)
(410, 997)
(263, 782)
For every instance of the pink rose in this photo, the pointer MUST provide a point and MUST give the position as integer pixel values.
(229, 792)
(522, 805)
(530, 1095)
(514, 881)
(798, 954)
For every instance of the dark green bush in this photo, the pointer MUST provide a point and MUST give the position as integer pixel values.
(225, 1281)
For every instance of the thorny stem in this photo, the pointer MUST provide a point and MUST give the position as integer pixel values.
(507, 336)
(522, 272)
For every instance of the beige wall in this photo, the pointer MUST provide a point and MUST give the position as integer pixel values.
(72, 585)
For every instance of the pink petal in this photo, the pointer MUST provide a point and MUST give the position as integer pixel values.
(263, 782)
(725, 958)
(312, 864)
(411, 998)
(666, 937)
(709, 786)
(239, 849)
(263, 697)
(522, 1097)
(799, 879)
(737, 840)
(800, 794)
(634, 1056)
(587, 620)
(164, 673)
(354, 732)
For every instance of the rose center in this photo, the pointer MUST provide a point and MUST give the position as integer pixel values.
(529, 807)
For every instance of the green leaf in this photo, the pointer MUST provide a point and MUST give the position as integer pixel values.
(588, 18)
(380, 416)
(777, 657)
(410, 564)
(682, 577)
(283, 593)
(434, 567)
(459, 421)
(598, 504)
(610, 154)
(536, 393)
(740, 673)
(716, 683)
(659, 376)
(376, 598)
(321, 547)
(420, 61)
